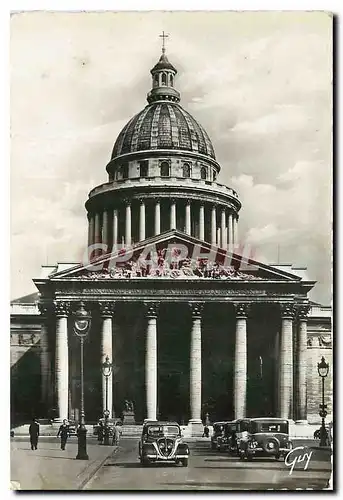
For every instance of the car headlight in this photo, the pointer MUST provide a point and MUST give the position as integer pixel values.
(170, 445)
(161, 446)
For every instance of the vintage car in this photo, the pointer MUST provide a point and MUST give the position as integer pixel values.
(227, 440)
(218, 430)
(263, 436)
(162, 442)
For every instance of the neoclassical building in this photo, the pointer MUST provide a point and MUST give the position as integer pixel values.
(191, 323)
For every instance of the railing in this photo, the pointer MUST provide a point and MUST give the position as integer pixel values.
(163, 181)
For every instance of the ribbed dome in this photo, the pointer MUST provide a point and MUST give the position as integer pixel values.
(163, 125)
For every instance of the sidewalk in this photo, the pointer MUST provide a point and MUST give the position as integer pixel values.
(50, 468)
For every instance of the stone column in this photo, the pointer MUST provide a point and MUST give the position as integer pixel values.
(142, 221)
(91, 229)
(202, 223)
(106, 312)
(97, 233)
(151, 361)
(188, 217)
(229, 230)
(195, 369)
(286, 361)
(233, 230)
(240, 380)
(61, 359)
(44, 357)
(128, 224)
(301, 364)
(213, 226)
(236, 230)
(115, 229)
(105, 229)
(158, 217)
(223, 229)
(173, 215)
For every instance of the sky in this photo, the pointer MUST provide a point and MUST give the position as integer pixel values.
(258, 82)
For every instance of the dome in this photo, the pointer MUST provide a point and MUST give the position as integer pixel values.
(163, 125)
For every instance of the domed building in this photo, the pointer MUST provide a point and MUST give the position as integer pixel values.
(190, 324)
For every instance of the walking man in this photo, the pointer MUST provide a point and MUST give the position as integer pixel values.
(34, 434)
(116, 434)
(63, 431)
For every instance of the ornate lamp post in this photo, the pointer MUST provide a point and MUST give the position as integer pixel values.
(323, 370)
(82, 323)
(106, 369)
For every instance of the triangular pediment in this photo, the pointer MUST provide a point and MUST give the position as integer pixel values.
(176, 255)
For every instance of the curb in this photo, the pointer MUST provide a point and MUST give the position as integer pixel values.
(95, 470)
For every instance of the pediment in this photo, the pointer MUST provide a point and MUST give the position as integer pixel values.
(175, 255)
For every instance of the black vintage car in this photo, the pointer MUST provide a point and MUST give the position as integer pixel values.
(218, 431)
(263, 436)
(227, 440)
(162, 442)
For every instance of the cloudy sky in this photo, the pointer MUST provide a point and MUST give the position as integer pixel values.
(260, 84)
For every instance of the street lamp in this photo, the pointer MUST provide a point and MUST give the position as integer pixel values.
(106, 368)
(82, 323)
(323, 370)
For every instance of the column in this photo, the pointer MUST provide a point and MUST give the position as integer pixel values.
(286, 361)
(105, 229)
(91, 229)
(158, 217)
(151, 361)
(128, 224)
(106, 312)
(229, 230)
(202, 223)
(173, 215)
(115, 229)
(223, 229)
(301, 350)
(213, 226)
(236, 230)
(240, 376)
(142, 221)
(44, 357)
(97, 233)
(61, 359)
(188, 217)
(195, 368)
(233, 230)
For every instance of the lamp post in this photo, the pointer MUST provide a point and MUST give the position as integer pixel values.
(82, 323)
(106, 369)
(323, 370)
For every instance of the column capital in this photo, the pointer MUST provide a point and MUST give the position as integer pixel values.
(127, 201)
(106, 309)
(62, 308)
(288, 310)
(196, 309)
(302, 311)
(44, 309)
(151, 309)
(141, 201)
(242, 310)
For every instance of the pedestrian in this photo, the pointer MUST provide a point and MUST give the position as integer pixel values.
(63, 431)
(34, 434)
(100, 432)
(206, 432)
(117, 432)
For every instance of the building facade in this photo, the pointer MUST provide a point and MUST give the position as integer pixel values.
(191, 323)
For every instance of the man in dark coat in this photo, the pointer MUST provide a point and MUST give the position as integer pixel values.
(34, 434)
(63, 431)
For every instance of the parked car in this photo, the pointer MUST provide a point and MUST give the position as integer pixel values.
(263, 436)
(218, 430)
(72, 428)
(162, 442)
(227, 440)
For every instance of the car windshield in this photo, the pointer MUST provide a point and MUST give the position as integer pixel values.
(163, 430)
(218, 428)
(270, 427)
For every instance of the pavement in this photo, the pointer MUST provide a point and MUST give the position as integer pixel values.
(50, 468)
(211, 470)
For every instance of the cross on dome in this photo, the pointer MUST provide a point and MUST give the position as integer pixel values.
(163, 36)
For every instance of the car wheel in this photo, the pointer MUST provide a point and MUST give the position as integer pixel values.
(184, 462)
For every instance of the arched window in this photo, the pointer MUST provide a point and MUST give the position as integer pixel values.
(186, 171)
(143, 168)
(214, 175)
(165, 169)
(164, 79)
(171, 79)
(124, 171)
(156, 80)
(203, 173)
